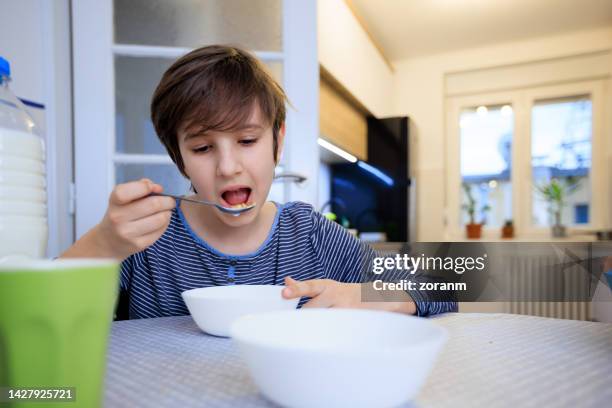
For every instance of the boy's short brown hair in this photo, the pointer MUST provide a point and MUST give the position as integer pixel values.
(214, 88)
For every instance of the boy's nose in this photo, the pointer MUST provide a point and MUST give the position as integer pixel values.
(228, 165)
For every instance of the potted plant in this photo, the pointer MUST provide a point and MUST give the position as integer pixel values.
(555, 193)
(508, 229)
(473, 230)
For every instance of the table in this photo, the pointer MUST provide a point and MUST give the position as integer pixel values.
(490, 360)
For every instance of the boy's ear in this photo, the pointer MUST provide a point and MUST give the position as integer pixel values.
(280, 141)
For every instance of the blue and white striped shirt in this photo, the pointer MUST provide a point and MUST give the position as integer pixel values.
(301, 243)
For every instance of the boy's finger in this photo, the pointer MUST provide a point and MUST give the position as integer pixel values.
(158, 188)
(128, 192)
(149, 206)
(149, 224)
(143, 208)
(320, 301)
(308, 288)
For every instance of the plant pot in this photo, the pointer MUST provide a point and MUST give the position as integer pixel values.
(508, 232)
(473, 231)
(558, 231)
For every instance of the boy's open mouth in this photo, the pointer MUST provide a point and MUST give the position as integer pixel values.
(237, 196)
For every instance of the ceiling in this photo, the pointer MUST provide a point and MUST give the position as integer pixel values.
(411, 28)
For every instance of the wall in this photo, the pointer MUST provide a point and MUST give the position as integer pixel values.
(420, 94)
(347, 53)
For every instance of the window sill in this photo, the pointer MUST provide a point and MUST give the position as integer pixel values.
(535, 238)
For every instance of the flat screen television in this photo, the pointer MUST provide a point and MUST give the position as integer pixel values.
(374, 194)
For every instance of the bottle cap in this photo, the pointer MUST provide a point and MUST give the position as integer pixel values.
(5, 67)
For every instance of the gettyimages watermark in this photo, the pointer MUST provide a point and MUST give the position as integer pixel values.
(487, 272)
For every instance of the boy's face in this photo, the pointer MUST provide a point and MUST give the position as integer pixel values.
(233, 167)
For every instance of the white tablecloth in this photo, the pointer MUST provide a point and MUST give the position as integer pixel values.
(490, 360)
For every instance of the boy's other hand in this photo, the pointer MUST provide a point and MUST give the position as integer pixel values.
(326, 293)
(134, 220)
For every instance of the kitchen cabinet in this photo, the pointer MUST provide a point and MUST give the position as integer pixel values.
(341, 121)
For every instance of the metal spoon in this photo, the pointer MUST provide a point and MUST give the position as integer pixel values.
(233, 211)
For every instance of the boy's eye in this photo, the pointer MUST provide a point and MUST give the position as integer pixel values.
(202, 149)
(247, 141)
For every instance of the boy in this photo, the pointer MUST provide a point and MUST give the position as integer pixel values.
(221, 118)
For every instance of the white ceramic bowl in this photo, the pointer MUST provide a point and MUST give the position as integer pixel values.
(215, 308)
(338, 357)
(20, 207)
(18, 163)
(23, 179)
(30, 194)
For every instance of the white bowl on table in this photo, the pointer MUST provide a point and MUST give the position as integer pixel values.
(215, 308)
(338, 357)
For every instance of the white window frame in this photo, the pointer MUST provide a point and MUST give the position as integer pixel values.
(522, 102)
(94, 103)
(455, 106)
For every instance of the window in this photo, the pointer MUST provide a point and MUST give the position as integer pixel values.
(256, 25)
(505, 148)
(486, 163)
(561, 155)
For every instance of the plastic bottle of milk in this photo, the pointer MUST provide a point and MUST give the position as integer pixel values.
(23, 196)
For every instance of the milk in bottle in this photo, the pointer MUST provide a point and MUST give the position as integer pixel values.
(23, 197)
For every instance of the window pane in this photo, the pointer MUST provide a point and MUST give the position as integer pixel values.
(135, 81)
(165, 174)
(253, 24)
(486, 163)
(561, 156)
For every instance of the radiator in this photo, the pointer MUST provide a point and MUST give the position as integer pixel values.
(559, 310)
(529, 274)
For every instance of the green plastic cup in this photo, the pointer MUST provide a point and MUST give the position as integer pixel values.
(55, 318)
